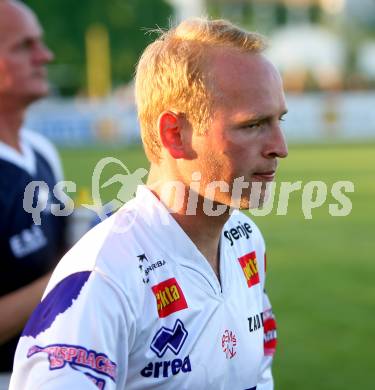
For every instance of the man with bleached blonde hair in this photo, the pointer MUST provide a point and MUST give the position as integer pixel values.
(173, 72)
(168, 293)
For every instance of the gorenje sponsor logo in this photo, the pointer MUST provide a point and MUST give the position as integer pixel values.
(238, 232)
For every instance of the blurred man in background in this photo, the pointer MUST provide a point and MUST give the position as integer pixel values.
(28, 251)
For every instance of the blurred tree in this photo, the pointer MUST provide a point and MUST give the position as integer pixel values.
(281, 14)
(315, 13)
(66, 21)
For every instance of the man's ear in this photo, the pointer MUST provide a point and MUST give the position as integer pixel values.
(170, 130)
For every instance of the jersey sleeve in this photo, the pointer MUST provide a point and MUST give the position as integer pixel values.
(78, 337)
(265, 379)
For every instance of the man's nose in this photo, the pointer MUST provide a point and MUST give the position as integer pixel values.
(43, 54)
(276, 145)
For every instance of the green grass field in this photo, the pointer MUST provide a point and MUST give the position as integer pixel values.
(321, 272)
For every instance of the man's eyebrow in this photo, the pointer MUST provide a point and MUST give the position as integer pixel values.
(255, 117)
(29, 39)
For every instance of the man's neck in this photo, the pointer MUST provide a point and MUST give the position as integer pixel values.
(204, 230)
(10, 126)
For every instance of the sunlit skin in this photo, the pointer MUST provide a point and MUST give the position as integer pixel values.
(244, 139)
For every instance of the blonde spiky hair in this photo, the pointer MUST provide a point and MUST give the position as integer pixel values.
(171, 74)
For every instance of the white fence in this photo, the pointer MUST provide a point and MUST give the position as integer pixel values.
(341, 117)
(312, 118)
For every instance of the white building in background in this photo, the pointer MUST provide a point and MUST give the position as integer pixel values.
(188, 8)
(361, 11)
(308, 51)
(309, 38)
(366, 59)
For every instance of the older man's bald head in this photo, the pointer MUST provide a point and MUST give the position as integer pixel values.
(11, 8)
(14, 14)
(23, 55)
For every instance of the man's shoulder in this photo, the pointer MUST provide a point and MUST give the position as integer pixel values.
(42, 146)
(112, 248)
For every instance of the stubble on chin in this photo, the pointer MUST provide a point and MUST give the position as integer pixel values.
(256, 196)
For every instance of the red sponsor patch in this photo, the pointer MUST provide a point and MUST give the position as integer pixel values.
(270, 334)
(169, 297)
(250, 268)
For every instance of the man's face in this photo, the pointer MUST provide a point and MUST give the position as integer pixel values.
(244, 138)
(23, 55)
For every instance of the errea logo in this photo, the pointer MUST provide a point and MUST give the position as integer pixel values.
(169, 297)
(168, 339)
(172, 339)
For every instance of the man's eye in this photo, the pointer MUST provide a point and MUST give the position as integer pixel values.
(25, 45)
(253, 125)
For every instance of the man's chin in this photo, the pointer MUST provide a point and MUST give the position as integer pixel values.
(252, 201)
(36, 94)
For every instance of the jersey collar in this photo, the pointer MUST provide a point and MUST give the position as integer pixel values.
(171, 237)
(24, 160)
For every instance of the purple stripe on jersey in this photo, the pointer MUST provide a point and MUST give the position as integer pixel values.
(57, 301)
(100, 383)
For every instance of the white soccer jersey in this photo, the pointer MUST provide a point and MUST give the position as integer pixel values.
(135, 305)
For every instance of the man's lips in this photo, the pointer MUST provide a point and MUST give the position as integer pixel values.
(264, 176)
(40, 73)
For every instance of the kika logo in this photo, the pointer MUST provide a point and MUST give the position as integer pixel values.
(145, 266)
(238, 232)
(169, 297)
(168, 339)
(61, 354)
(249, 267)
(229, 343)
(270, 334)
